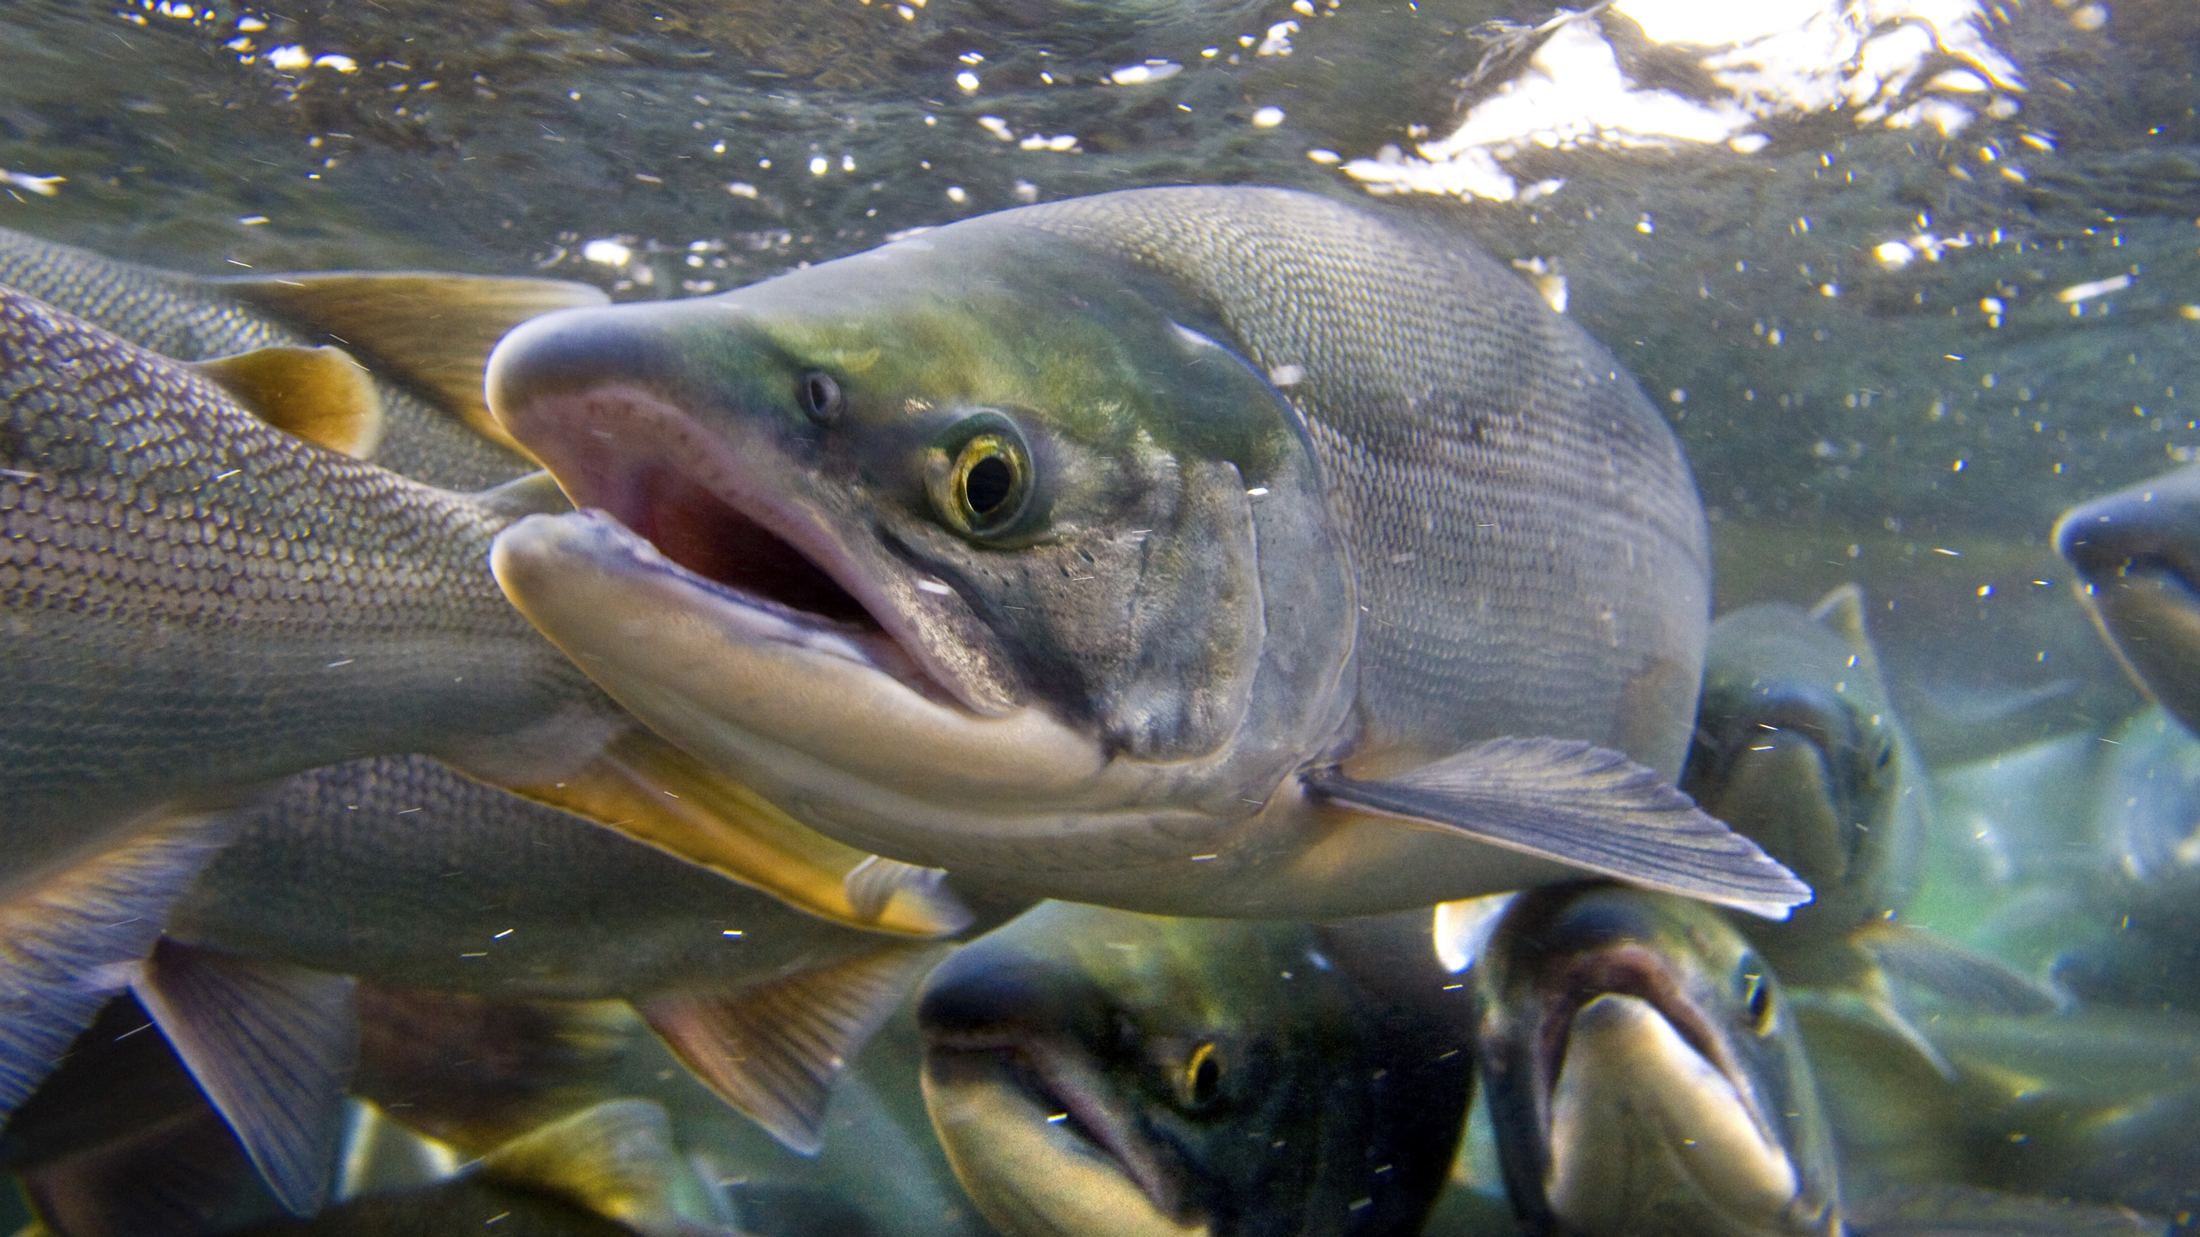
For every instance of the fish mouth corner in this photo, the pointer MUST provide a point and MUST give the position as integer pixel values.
(645, 464)
(1051, 1100)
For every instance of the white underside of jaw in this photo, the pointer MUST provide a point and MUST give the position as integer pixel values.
(1638, 1113)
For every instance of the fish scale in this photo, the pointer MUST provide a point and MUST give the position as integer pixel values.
(194, 320)
(191, 600)
(1437, 386)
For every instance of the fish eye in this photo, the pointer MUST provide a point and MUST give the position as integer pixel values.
(1202, 1078)
(1757, 995)
(819, 396)
(986, 484)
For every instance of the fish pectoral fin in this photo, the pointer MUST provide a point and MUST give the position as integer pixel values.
(433, 330)
(1583, 806)
(617, 1159)
(774, 1050)
(71, 938)
(537, 493)
(1954, 973)
(652, 792)
(318, 394)
(273, 1047)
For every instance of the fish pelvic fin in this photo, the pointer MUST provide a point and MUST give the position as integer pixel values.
(774, 1050)
(381, 1156)
(617, 1159)
(433, 330)
(318, 394)
(273, 1047)
(72, 938)
(1583, 806)
(656, 794)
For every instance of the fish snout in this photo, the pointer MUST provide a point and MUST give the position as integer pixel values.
(2155, 524)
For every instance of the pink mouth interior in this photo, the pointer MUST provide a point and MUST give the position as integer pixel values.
(698, 530)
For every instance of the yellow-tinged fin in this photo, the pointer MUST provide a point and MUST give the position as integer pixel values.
(272, 1045)
(652, 792)
(71, 938)
(537, 493)
(318, 394)
(432, 330)
(618, 1160)
(1584, 806)
(381, 1156)
(774, 1050)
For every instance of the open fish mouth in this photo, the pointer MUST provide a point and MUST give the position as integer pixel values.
(1037, 1134)
(652, 469)
(1626, 970)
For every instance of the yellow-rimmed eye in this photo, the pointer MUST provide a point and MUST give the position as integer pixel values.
(1202, 1077)
(984, 486)
(1757, 996)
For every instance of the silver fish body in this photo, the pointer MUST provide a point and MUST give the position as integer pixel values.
(1190, 550)
(1645, 1074)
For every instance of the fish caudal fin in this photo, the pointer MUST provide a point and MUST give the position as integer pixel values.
(652, 792)
(72, 938)
(318, 394)
(774, 1050)
(1584, 806)
(618, 1160)
(273, 1047)
(434, 330)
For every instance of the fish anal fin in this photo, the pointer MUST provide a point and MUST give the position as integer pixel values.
(1580, 805)
(774, 1050)
(617, 1159)
(273, 1047)
(1954, 973)
(652, 792)
(71, 938)
(318, 394)
(433, 330)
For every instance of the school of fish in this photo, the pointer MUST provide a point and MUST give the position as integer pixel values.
(1188, 711)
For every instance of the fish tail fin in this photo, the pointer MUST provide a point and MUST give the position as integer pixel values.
(72, 938)
(273, 1047)
(617, 1159)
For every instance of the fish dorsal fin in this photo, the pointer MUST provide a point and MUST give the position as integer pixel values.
(72, 938)
(434, 330)
(537, 493)
(773, 1050)
(379, 1155)
(1842, 612)
(1584, 806)
(318, 394)
(1953, 973)
(617, 1159)
(273, 1047)
(656, 794)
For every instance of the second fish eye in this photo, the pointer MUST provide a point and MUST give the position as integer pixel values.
(1757, 993)
(819, 396)
(1202, 1076)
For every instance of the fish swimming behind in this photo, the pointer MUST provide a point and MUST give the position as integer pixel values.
(1210, 551)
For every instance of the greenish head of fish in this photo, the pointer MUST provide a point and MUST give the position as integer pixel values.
(1097, 1072)
(1644, 1072)
(2139, 551)
(951, 543)
(1798, 748)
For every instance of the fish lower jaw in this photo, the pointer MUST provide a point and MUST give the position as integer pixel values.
(1641, 1125)
(1045, 1154)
